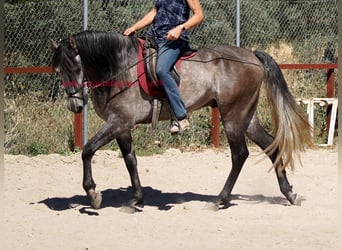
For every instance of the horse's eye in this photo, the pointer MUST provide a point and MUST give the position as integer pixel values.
(78, 58)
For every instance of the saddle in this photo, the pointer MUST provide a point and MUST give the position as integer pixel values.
(148, 79)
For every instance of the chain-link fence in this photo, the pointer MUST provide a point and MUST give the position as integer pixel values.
(36, 119)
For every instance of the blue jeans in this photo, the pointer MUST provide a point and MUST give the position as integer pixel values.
(167, 56)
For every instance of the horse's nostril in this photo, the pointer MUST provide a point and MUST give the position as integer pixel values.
(75, 105)
(79, 109)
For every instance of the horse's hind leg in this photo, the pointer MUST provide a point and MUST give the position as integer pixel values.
(239, 152)
(263, 139)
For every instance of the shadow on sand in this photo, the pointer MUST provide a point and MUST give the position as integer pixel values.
(118, 198)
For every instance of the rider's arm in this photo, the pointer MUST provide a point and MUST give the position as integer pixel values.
(142, 23)
(197, 17)
(193, 21)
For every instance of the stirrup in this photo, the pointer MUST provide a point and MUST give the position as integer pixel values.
(156, 108)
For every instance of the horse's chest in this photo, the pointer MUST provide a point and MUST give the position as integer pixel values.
(100, 103)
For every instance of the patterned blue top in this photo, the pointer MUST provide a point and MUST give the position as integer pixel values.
(169, 15)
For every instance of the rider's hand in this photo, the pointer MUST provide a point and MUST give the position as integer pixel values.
(174, 33)
(129, 32)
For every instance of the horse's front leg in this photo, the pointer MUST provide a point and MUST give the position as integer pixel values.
(106, 134)
(127, 149)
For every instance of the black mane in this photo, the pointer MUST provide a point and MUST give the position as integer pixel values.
(106, 55)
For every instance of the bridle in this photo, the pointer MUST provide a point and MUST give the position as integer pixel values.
(78, 93)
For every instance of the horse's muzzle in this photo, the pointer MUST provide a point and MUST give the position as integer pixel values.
(75, 104)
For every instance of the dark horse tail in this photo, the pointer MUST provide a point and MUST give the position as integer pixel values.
(291, 130)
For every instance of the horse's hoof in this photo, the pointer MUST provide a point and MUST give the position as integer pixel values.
(297, 201)
(130, 210)
(218, 203)
(132, 207)
(212, 206)
(135, 204)
(95, 199)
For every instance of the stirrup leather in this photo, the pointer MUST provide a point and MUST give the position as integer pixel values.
(156, 108)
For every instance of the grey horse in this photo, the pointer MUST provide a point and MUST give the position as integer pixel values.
(226, 77)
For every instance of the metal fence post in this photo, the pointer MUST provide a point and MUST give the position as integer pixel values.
(85, 89)
(238, 23)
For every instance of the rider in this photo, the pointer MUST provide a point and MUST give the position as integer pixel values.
(170, 21)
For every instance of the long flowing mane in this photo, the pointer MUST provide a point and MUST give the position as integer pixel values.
(106, 55)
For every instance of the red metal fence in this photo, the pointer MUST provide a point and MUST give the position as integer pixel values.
(330, 92)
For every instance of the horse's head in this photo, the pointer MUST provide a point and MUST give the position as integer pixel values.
(67, 63)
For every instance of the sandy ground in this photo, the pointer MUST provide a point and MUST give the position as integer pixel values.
(45, 206)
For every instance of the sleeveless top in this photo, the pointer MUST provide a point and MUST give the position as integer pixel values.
(169, 15)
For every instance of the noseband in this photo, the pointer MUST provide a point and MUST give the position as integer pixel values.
(78, 93)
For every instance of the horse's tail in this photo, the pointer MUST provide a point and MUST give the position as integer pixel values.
(291, 129)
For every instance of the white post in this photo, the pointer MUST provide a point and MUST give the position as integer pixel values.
(238, 23)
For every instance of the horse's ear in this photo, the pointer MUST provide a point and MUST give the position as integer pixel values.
(73, 43)
(53, 44)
